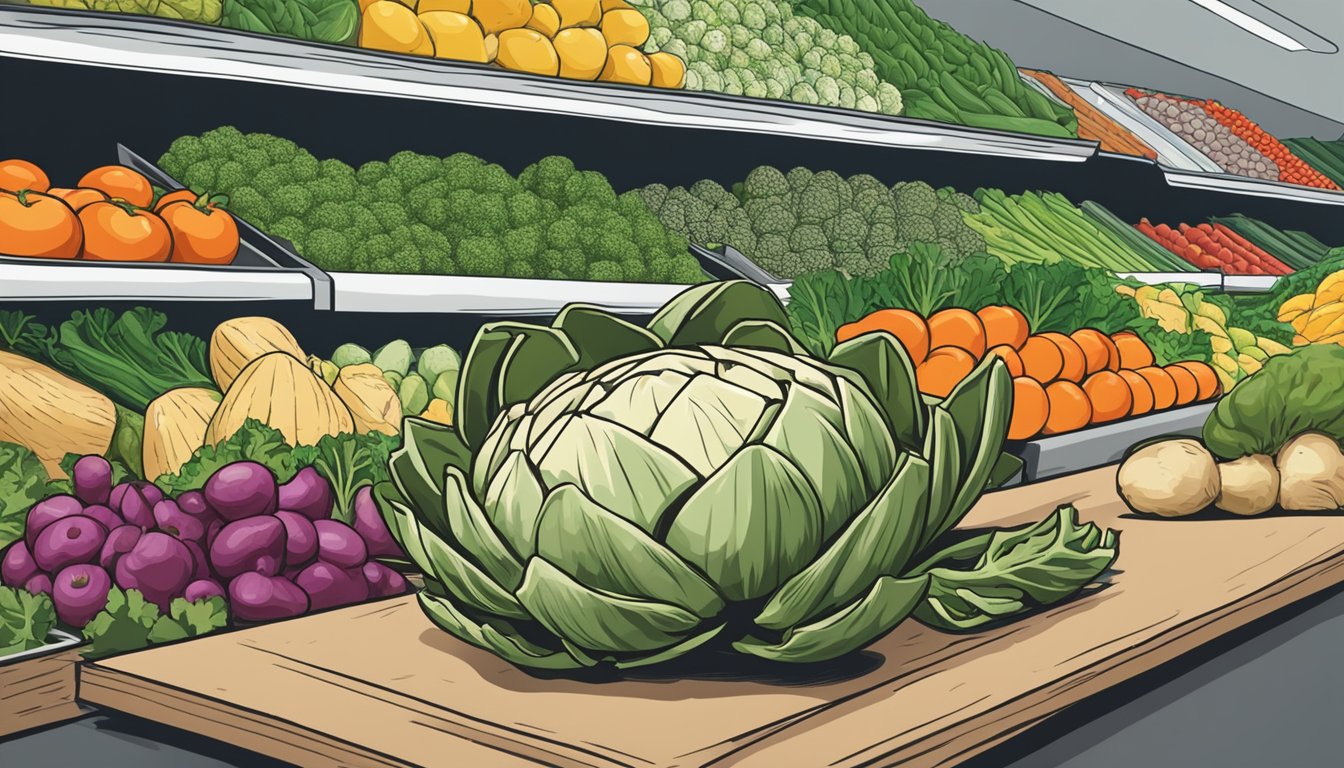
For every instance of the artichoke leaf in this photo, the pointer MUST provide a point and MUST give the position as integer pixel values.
(512, 648)
(869, 435)
(638, 401)
(605, 552)
(942, 451)
(599, 336)
(513, 503)
(705, 313)
(885, 367)
(667, 654)
(887, 603)
(476, 535)
(707, 421)
(762, 334)
(751, 525)
(980, 406)
(534, 360)
(495, 448)
(597, 620)
(506, 359)
(880, 541)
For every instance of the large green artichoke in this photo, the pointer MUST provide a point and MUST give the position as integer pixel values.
(624, 495)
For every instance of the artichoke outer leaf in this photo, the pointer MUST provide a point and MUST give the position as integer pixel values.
(704, 314)
(885, 367)
(751, 525)
(417, 467)
(707, 421)
(981, 411)
(513, 504)
(1005, 468)
(476, 535)
(667, 654)
(880, 541)
(597, 620)
(762, 334)
(869, 434)
(620, 469)
(942, 451)
(605, 552)
(508, 362)
(512, 648)
(887, 603)
(534, 360)
(599, 336)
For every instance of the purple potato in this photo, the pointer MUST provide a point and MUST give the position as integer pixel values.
(383, 581)
(39, 584)
(307, 493)
(137, 504)
(104, 515)
(159, 566)
(212, 531)
(338, 544)
(202, 589)
(293, 573)
(93, 479)
(80, 592)
(252, 544)
(120, 540)
(370, 526)
(241, 489)
(255, 597)
(67, 541)
(193, 503)
(199, 560)
(17, 566)
(328, 586)
(48, 511)
(300, 538)
(170, 519)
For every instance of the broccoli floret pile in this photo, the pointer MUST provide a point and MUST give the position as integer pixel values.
(759, 48)
(418, 214)
(802, 222)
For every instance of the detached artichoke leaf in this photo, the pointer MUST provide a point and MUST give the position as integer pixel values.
(762, 334)
(605, 552)
(887, 603)
(599, 621)
(511, 647)
(705, 313)
(886, 368)
(600, 337)
(476, 536)
(1016, 571)
(879, 542)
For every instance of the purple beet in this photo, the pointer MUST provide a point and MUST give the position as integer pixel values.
(300, 538)
(328, 586)
(254, 597)
(137, 504)
(383, 581)
(193, 503)
(241, 489)
(80, 592)
(39, 584)
(93, 479)
(67, 541)
(253, 544)
(170, 519)
(293, 573)
(17, 566)
(48, 511)
(202, 589)
(370, 526)
(104, 515)
(307, 493)
(199, 560)
(211, 531)
(159, 566)
(338, 544)
(120, 540)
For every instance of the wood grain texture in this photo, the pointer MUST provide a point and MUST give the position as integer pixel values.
(379, 685)
(37, 692)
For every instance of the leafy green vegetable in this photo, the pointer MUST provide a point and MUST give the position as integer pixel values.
(186, 619)
(349, 462)
(129, 622)
(821, 302)
(202, 11)
(1171, 346)
(254, 441)
(20, 332)
(130, 357)
(1046, 294)
(25, 620)
(322, 21)
(23, 483)
(1291, 394)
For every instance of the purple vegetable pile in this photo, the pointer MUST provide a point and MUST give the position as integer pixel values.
(272, 550)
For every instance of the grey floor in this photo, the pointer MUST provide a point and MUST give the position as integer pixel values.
(1269, 695)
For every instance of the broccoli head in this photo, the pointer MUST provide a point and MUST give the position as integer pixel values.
(292, 200)
(327, 248)
(491, 213)
(947, 219)
(370, 172)
(462, 170)
(765, 182)
(182, 153)
(524, 243)
(336, 189)
(770, 216)
(548, 176)
(606, 271)
(248, 203)
(562, 235)
(432, 211)
(562, 264)
(653, 196)
(820, 200)
(525, 208)
(632, 206)
(493, 178)
(588, 188)
(713, 194)
(915, 198)
(225, 142)
(481, 256)
(413, 169)
(389, 215)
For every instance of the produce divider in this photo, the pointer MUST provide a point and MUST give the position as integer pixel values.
(1172, 150)
(1058, 455)
(39, 684)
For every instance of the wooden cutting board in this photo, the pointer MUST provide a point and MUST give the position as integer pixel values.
(379, 685)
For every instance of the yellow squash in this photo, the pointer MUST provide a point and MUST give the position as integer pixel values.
(239, 341)
(373, 403)
(175, 425)
(50, 413)
(277, 389)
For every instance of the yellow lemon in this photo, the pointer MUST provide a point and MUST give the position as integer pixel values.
(455, 36)
(387, 25)
(456, 6)
(626, 65)
(578, 13)
(582, 52)
(544, 19)
(527, 50)
(498, 15)
(625, 26)
(669, 71)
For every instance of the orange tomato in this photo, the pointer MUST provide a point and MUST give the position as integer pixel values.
(120, 181)
(1110, 396)
(1004, 326)
(956, 327)
(908, 328)
(1031, 409)
(943, 370)
(1134, 354)
(34, 224)
(119, 232)
(16, 175)
(1205, 377)
(202, 233)
(1010, 358)
(1069, 408)
(1041, 359)
(1163, 386)
(1187, 387)
(1074, 362)
(174, 196)
(1140, 393)
(78, 197)
(1100, 351)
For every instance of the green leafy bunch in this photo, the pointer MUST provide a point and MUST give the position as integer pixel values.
(26, 620)
(202, 11)
(322, 21)
(419, 214)
(616, 494)
(129, 622)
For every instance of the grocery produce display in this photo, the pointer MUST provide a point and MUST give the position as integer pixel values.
(1327, 157)
(111, 214)
(1093, 123)
(1188, 119)
(598, 444)
(1297, 250)
(1292, 169)
(942, 74)
(802, 221)
(417, 214)
(1214, 247)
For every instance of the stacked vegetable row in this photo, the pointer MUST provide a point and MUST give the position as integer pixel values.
(1061, 383)
(112, 214)
(1187, 119)
(1291, 167)
(1214, 247)
(1093, 123)
(1327, 157)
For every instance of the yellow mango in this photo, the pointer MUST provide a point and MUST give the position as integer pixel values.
(1321, 319)
(455, 36)
(495, 16)
(1299, 340)
(544, 19)
(387, 25)
(1296, 306)
(582, 53)
(1213, 312)
(611, 5)
(1220, 344)
(1224, 362)
(1169, 318)
(1249, 364)
(526, 50)
(669, 71)
(626, 65)
(578, 13)
(432, 6)
(625, 26)
(1330, 289)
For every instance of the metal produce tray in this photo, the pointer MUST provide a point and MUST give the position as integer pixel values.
(57, 640)
(1172, 150)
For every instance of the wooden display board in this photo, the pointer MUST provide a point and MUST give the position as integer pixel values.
(378, 684)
